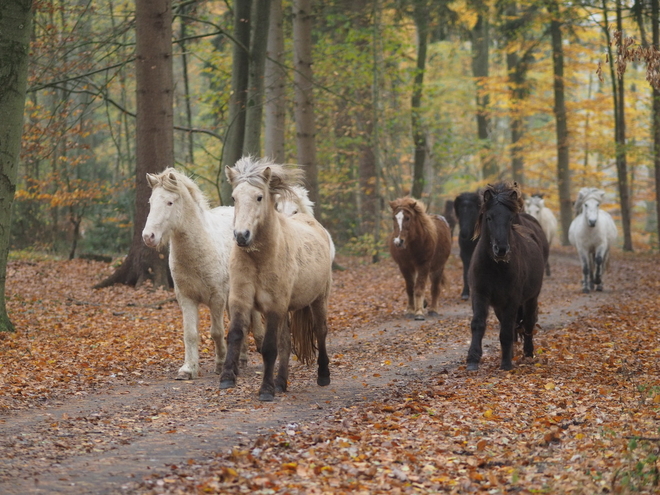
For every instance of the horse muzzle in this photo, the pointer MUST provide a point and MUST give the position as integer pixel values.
(244, 238)
(150, 239)
(398, 242)
(501, 253)
(591, 223)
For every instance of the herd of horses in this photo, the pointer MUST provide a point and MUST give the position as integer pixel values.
(267, 261)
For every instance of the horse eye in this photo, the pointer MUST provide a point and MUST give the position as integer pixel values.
(259, 198)
(170, 203)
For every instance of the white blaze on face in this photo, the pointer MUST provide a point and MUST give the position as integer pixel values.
(399, 219)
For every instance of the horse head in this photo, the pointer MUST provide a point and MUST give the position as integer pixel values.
(466, 207)
(170, 188)
(404, 211)
(587, 204)
(501, 206)
(257, 185)
(534, 205)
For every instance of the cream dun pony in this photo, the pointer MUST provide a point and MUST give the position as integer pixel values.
(200, 240)
(279, 264)
(535, 206)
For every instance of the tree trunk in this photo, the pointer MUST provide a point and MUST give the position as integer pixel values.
(480, 61)
(235, 135)
(421, 16)
(155, 136)
(275, 86)
(516, 80)
(15, 30)
(621, 159)
(655, 21)
(563, 169)
(303, 82)
(184, 10)
(255, 94)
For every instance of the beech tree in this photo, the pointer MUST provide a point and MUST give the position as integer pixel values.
(15, 29)
(155, 136)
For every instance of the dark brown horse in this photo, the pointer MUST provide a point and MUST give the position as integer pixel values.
(420, 244)
(506, 271)
(466, 207)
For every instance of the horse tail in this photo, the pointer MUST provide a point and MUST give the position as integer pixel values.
(302, 335)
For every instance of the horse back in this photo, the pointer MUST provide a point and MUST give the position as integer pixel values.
(442, 243)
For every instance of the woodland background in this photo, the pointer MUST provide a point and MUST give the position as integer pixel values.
(409, 96)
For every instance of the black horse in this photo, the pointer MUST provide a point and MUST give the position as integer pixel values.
(506, 272)
(466, 207)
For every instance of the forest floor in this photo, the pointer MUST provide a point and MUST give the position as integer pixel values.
(88, 403)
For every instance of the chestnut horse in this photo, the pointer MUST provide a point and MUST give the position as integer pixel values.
(506, 271)
(420, 245)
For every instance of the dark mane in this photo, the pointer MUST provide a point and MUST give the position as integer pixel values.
(504, 193)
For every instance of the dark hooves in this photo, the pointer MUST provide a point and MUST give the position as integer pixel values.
(433, 313)
(599, 288)
(323, 381)
(473, 366)
(506, 367)
(243, 363)
(585, 291)
(266, 397)
(225, 384)
(419, 318)
(465, 297)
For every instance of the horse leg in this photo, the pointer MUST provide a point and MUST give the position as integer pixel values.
(465, 295)
(409, 277)
(478, 328)
(218, 333)
(190, 368)
(436, 287)
(584, 258)
(257, 327)
(547, 268)
(507, 317)
(530, 317)
(601, 256)
(420, 288)
(269, 355)
(283, 352)
(240, 319)
(320, 315)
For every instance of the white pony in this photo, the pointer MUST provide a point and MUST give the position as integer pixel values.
(536, 207)
(200, 240)
(592, 232)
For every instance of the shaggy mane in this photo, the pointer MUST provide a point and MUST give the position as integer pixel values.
(418, 210)
(585, 194)
(283, 178)
(505, 193)
(174, 181)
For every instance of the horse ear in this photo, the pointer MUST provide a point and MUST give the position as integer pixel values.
(392, 204)
(487, 194)
(230, 173)
(172, 177)
(152, 180)
(267, 174)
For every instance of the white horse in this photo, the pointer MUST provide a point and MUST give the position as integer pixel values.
(200, 240)
(536, 207)
(592, 232)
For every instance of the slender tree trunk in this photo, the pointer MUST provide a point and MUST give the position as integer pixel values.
(621, 159)
(480, 70)
(183, 32)
(235, 135)
(421, 16)
(303, 81)
(563, 169)
(155, 135)
(255, 95)
(275, 86)
(516, 80)
(15, 30)
(655, 22)
(375, 98)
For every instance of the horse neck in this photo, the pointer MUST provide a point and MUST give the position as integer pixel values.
(191, 231)
(269, 235)
(425, 228)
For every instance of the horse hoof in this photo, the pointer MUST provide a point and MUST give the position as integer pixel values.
(266, 397)
(225, 384)
(419, 317)
(599, 288)
(473, 366)
(433, 313)
(323, 381)
(465, 297)
(585, 291)
(243, 363)
(506, 367)
(184, 375)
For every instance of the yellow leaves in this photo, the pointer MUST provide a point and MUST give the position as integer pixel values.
(549, 386)
(488, 414)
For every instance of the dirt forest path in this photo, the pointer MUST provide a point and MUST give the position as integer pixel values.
(109, 441)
